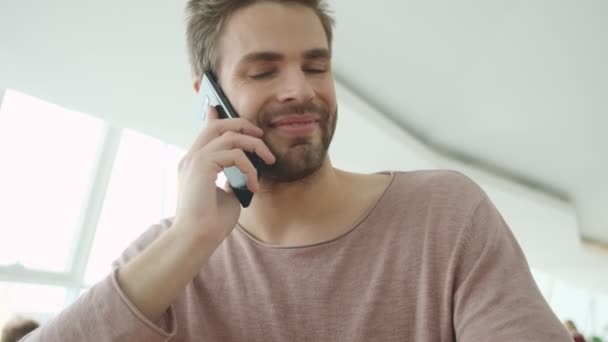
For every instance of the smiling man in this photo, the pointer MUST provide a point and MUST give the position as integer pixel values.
(320, 254)
(278, 75)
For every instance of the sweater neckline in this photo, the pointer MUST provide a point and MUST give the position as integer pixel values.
(358, 222)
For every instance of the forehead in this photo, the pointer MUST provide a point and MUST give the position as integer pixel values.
(288, 29)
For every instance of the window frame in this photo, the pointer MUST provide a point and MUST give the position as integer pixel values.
(73, 279)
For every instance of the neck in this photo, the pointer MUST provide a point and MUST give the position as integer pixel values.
(280, 212)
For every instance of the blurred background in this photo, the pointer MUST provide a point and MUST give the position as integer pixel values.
(97, 109)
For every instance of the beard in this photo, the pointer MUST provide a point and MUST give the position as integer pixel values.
(299, 158)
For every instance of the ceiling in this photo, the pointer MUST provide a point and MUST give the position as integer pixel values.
(515, 89)
(519, 88)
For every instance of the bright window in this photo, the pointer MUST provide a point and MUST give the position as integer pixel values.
(48, 157)
(36, 301)
(142, 191)
(573, 304)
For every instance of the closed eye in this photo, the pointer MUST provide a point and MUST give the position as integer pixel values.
(314, 70)
(262, 75)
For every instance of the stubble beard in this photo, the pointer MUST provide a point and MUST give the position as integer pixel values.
(305, 156)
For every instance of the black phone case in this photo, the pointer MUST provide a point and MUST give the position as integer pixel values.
(226, 111)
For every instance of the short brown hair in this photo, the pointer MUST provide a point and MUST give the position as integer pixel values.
(16, 328)
(205, 20)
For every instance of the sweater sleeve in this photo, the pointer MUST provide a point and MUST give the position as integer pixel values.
(104, 313)
(496, 297)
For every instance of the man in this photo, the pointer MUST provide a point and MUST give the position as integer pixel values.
(321, 254)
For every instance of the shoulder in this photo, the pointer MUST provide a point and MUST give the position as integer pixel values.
(431, 205)
(453, 208)
(446, 189)
(438, 180)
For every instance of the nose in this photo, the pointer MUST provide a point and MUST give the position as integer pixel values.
(296, 87)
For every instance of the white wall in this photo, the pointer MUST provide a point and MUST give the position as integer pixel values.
(546, 227)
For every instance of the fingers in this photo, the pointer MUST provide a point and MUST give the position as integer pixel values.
(212, 113)
(229, 150)
(238, 158)
(223, 143)
(226, 187)
(231, 140)
(216, 127)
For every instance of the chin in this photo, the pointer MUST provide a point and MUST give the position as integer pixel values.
(298, 159)
(299, 163)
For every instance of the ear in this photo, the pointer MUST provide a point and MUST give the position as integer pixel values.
(197, 85)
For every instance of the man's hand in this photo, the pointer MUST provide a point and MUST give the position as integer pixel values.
(205, 215)
(201, 204)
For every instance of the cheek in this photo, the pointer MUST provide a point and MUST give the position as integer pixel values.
(247, 99)
(249, 104)
(327, 93)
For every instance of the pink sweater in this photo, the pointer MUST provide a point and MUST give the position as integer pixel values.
(432, 260)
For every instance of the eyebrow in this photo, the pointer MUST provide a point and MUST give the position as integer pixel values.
(266, 56)
(317, 53)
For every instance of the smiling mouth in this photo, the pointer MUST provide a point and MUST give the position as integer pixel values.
(295, 128)
(294, 119)
(294, 123)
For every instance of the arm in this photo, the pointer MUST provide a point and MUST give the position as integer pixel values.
(105, 313)
(496, 297)
(134, 302)
(177, 255)
(126, 305)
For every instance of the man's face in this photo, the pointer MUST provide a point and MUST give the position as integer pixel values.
(274, 65)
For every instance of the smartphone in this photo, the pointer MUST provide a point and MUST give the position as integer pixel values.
(211, 94)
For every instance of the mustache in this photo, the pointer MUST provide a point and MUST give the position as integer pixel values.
(294, 108)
